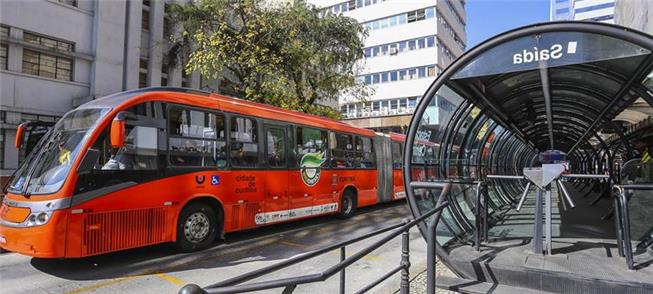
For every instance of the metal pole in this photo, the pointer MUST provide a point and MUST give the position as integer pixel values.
(565, 193)
(537, 229)
(477, 233)
(343, 255)
(628, 246)
(430, 257)
(560, 199)
(404, 287)
(618, 225)
(523, 196)
(549, 225)
(485, 212)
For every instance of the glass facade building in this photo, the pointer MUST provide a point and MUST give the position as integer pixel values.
(584, 10)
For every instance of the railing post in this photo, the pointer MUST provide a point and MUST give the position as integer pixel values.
(405, 262)
(618, 224)
(343, 256)
(478, 216)
(484, 194)
(628, 246)
(430, 256)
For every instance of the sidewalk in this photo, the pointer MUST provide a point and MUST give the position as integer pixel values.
(418, 282)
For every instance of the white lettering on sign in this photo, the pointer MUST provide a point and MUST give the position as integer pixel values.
(537, 54)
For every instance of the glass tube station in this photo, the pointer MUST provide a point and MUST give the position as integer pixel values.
(546, 187)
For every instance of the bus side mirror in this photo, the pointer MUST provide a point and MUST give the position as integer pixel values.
(20, 134)
(118, 131)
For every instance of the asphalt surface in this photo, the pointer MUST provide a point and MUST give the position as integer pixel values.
(160, 269)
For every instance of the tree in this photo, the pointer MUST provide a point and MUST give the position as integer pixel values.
(285, 55)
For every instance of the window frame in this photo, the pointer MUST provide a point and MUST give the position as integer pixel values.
(295, 150)
(260, 146)
(5, 58)
(169, 135)
(397, 163)
(56, 62)
(267, 125)
(40, 37)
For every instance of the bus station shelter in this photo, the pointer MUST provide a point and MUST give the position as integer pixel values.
(542, 142)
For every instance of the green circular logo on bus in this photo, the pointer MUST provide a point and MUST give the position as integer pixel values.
(310, 166)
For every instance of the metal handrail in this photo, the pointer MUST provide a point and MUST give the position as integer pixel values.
(289, 284)
(622, 219)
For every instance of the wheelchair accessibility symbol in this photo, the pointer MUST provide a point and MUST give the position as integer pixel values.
(215, 180)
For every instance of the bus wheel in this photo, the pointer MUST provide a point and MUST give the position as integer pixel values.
(197, 227)
(347, 204)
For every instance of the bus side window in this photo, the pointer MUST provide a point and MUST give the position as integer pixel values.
(357, 153)
(396, 155)
(311, 141)
(244, 142)
(368, 158)
(196, 138)
(276, 146)
(141, 148)
(341, 147)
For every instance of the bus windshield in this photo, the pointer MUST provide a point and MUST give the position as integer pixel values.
(46, 168)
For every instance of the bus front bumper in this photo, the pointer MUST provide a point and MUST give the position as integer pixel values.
(44, 241)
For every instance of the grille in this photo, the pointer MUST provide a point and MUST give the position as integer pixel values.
(111, 231)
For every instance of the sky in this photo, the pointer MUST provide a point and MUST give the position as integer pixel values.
(487, 18)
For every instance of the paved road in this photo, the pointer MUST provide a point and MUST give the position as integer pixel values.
(159, 269)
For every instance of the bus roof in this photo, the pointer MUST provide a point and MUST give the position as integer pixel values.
(224, 103)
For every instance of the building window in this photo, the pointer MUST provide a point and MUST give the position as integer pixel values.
(4, 55)
(48, 42)
(142, 80)
(402, 46)
(401, 19)
(4, 31)
(402, 74)
(145, 20)
(2, 148)
(594, 7)
(69, 2)
(142, 74)
(164, 74)
(46, 65)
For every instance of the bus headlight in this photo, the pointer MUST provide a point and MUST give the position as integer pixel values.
(38, 218)
(42, 218)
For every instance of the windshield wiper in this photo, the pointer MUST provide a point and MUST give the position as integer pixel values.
(54, 136)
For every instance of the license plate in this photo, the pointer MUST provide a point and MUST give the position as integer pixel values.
(3, 240)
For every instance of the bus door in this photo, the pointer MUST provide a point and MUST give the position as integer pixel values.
(310, 184)
(276, 183)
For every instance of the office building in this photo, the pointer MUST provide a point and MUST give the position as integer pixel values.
(583, 10)
(409, 43)
(58, 54)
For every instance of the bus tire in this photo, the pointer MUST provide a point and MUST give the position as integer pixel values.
(197, 227)
(347, 204)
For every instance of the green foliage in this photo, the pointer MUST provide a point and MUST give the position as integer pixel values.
(285, 55)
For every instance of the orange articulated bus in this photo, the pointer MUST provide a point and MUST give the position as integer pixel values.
(176, 165)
